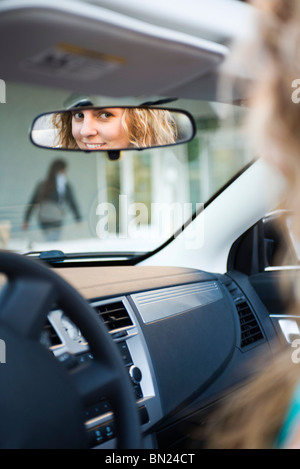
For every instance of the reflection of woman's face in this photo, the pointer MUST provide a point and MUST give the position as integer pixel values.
(99, 129)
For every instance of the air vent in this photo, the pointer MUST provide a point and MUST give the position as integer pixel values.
(114, 315)
(250, 330)
(49, 335)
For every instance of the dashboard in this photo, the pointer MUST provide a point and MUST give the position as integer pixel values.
(185, 337)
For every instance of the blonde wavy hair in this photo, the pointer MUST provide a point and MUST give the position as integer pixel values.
(276, 117)
(252, 416)
(62, 122)
(145, 127)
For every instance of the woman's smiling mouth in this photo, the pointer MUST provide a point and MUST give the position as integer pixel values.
(93, 146)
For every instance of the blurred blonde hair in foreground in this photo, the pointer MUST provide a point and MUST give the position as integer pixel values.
(252, 416)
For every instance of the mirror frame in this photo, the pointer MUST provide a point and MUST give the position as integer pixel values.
(115, 154)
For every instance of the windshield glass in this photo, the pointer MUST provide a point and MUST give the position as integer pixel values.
(92, 204)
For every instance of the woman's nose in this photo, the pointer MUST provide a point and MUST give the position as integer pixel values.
(88, 127)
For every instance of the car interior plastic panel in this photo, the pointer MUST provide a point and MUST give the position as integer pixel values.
(180, 306)
(183, 322)
(206, 24)
(85, 47)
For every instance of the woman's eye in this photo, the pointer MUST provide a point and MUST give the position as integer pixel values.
(78, 115)
(105, 115)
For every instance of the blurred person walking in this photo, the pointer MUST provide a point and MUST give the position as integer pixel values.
(51, 198)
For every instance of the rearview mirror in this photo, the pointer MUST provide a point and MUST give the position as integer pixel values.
(112, 128)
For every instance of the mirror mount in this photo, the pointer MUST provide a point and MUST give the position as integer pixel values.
(114, 155)
(159, 102)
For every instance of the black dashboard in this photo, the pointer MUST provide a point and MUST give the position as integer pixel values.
(185, 340)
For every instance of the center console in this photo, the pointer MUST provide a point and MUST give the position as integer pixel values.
(65, 340)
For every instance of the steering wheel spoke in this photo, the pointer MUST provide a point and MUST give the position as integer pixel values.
(25, 303)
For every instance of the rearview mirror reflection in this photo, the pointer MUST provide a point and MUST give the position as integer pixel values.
(112, 128)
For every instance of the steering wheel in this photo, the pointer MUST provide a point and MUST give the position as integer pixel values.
(41, 402)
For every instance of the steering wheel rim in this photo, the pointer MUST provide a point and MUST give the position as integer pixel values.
(39, 287)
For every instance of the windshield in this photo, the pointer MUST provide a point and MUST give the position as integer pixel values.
(132, 205)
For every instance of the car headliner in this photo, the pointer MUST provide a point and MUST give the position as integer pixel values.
(185, 46)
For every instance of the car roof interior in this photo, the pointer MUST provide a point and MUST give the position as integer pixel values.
(116, 51)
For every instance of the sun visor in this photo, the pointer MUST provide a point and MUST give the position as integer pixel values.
(89, 49)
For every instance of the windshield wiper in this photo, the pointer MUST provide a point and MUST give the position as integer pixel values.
(56, 256)
(52, 255)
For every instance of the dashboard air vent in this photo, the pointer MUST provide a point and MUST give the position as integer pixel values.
(114, 315)
(250, 330)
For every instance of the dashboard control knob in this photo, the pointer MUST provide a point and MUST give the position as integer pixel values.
(135, 374)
